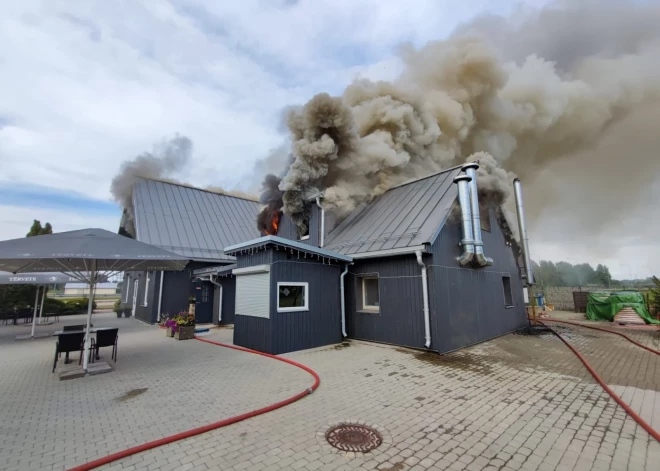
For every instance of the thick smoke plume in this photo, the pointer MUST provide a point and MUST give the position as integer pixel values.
(518, 95)
(167, 159)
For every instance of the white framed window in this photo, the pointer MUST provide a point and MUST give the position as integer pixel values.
(370, 294)
(292, 296)
(127, 283)
(146, 290)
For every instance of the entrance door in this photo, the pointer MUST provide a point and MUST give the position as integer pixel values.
(204, 304)
(135, 297)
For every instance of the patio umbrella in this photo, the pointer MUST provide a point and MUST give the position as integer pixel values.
(40, 280)
(86, 254)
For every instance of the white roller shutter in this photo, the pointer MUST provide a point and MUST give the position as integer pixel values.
(253, 294)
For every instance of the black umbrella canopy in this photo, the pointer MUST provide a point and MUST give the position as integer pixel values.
(86, 250)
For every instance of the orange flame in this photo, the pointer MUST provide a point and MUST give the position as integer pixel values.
(274, 224)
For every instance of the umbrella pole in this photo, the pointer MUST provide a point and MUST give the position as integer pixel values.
(90, 304)
(34, 315)
(41, 309)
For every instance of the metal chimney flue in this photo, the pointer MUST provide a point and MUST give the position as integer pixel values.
(463, 182)
(522, 228)
(480, 260)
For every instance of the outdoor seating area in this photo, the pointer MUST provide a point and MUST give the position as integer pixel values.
(16, 315)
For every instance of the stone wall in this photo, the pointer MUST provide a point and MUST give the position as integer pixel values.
(562, 296)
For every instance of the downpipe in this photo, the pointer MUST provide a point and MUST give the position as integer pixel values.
(343, 301)
(425, 297)
(160, 295)
(467, 242)
(479, 258)
(219, 300)
(322, 238)
(522, 228)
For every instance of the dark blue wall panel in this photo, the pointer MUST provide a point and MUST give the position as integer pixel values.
(252, 332)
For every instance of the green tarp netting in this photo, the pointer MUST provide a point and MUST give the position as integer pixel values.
(604, 306)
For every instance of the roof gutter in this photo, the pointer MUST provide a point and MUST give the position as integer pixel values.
(389, 252)
(160, 295)
(220, 299)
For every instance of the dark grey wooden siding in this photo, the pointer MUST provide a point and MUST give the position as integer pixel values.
(319, 326)
(288, 230)
(253, 332)
(400, 320)
(467, 305)
(228, 300)
(262, 257)
(289, 331)
(177, 288)
(144, 313)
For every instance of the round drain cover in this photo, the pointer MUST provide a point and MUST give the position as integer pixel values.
(353, 437)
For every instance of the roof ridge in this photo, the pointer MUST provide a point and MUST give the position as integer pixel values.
(414, 180)
(191, 187)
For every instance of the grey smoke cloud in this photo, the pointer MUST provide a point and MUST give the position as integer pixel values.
(529, 91)
(167, 159)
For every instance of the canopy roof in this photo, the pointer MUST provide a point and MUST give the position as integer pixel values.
(36, 278)
(85, 250)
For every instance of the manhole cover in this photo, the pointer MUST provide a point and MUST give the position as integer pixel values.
(352, 437)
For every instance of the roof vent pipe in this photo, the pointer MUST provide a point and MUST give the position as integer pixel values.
(322, 237)
(522, 228)
(467, 242)
(479, 258)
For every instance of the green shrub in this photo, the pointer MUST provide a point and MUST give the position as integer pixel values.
(78, 305)
(117, 306)
(55, 306)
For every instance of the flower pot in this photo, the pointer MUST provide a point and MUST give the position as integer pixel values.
(127, 313)
(185, 333)
(118, 314)
(191, 309)
(169, 332)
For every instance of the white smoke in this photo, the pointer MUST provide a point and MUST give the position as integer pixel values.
(528, 92)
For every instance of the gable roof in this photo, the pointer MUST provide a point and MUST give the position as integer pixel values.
(402, 219)
(192, 222)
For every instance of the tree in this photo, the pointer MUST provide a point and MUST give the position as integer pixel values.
(655, 293)
(36, 229)
(603, 275)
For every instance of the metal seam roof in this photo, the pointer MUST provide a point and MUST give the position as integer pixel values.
(408, 215)
(192, 222)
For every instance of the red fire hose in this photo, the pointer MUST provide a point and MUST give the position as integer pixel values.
(206, 428)
(600, 381)
(609, 332)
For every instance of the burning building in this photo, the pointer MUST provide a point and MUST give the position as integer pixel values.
(194, 223)
(425, 265)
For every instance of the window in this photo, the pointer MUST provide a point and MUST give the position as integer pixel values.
(508, 295)
(205, 293)
(127, 284)
(292, 297)
(305, 236)
(146, 290)
(370, 294)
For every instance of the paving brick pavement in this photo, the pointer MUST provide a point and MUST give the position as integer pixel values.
(160, 386)
(516, 402)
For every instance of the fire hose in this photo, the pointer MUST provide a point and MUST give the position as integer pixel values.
(216, 425)
(602, 383)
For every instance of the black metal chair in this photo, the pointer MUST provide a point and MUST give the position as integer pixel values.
(26, 314)
(6, 316)
(104, 338)
(66, 343)
(69, 328)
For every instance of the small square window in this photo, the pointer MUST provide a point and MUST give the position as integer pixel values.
(292, 297)
(508, 295)
(370, 294)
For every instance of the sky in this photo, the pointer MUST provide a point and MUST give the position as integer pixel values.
(89, 84)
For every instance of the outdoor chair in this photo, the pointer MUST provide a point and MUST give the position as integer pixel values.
(25, 314)
(104, 338)
(72, 342)
(6, 316)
